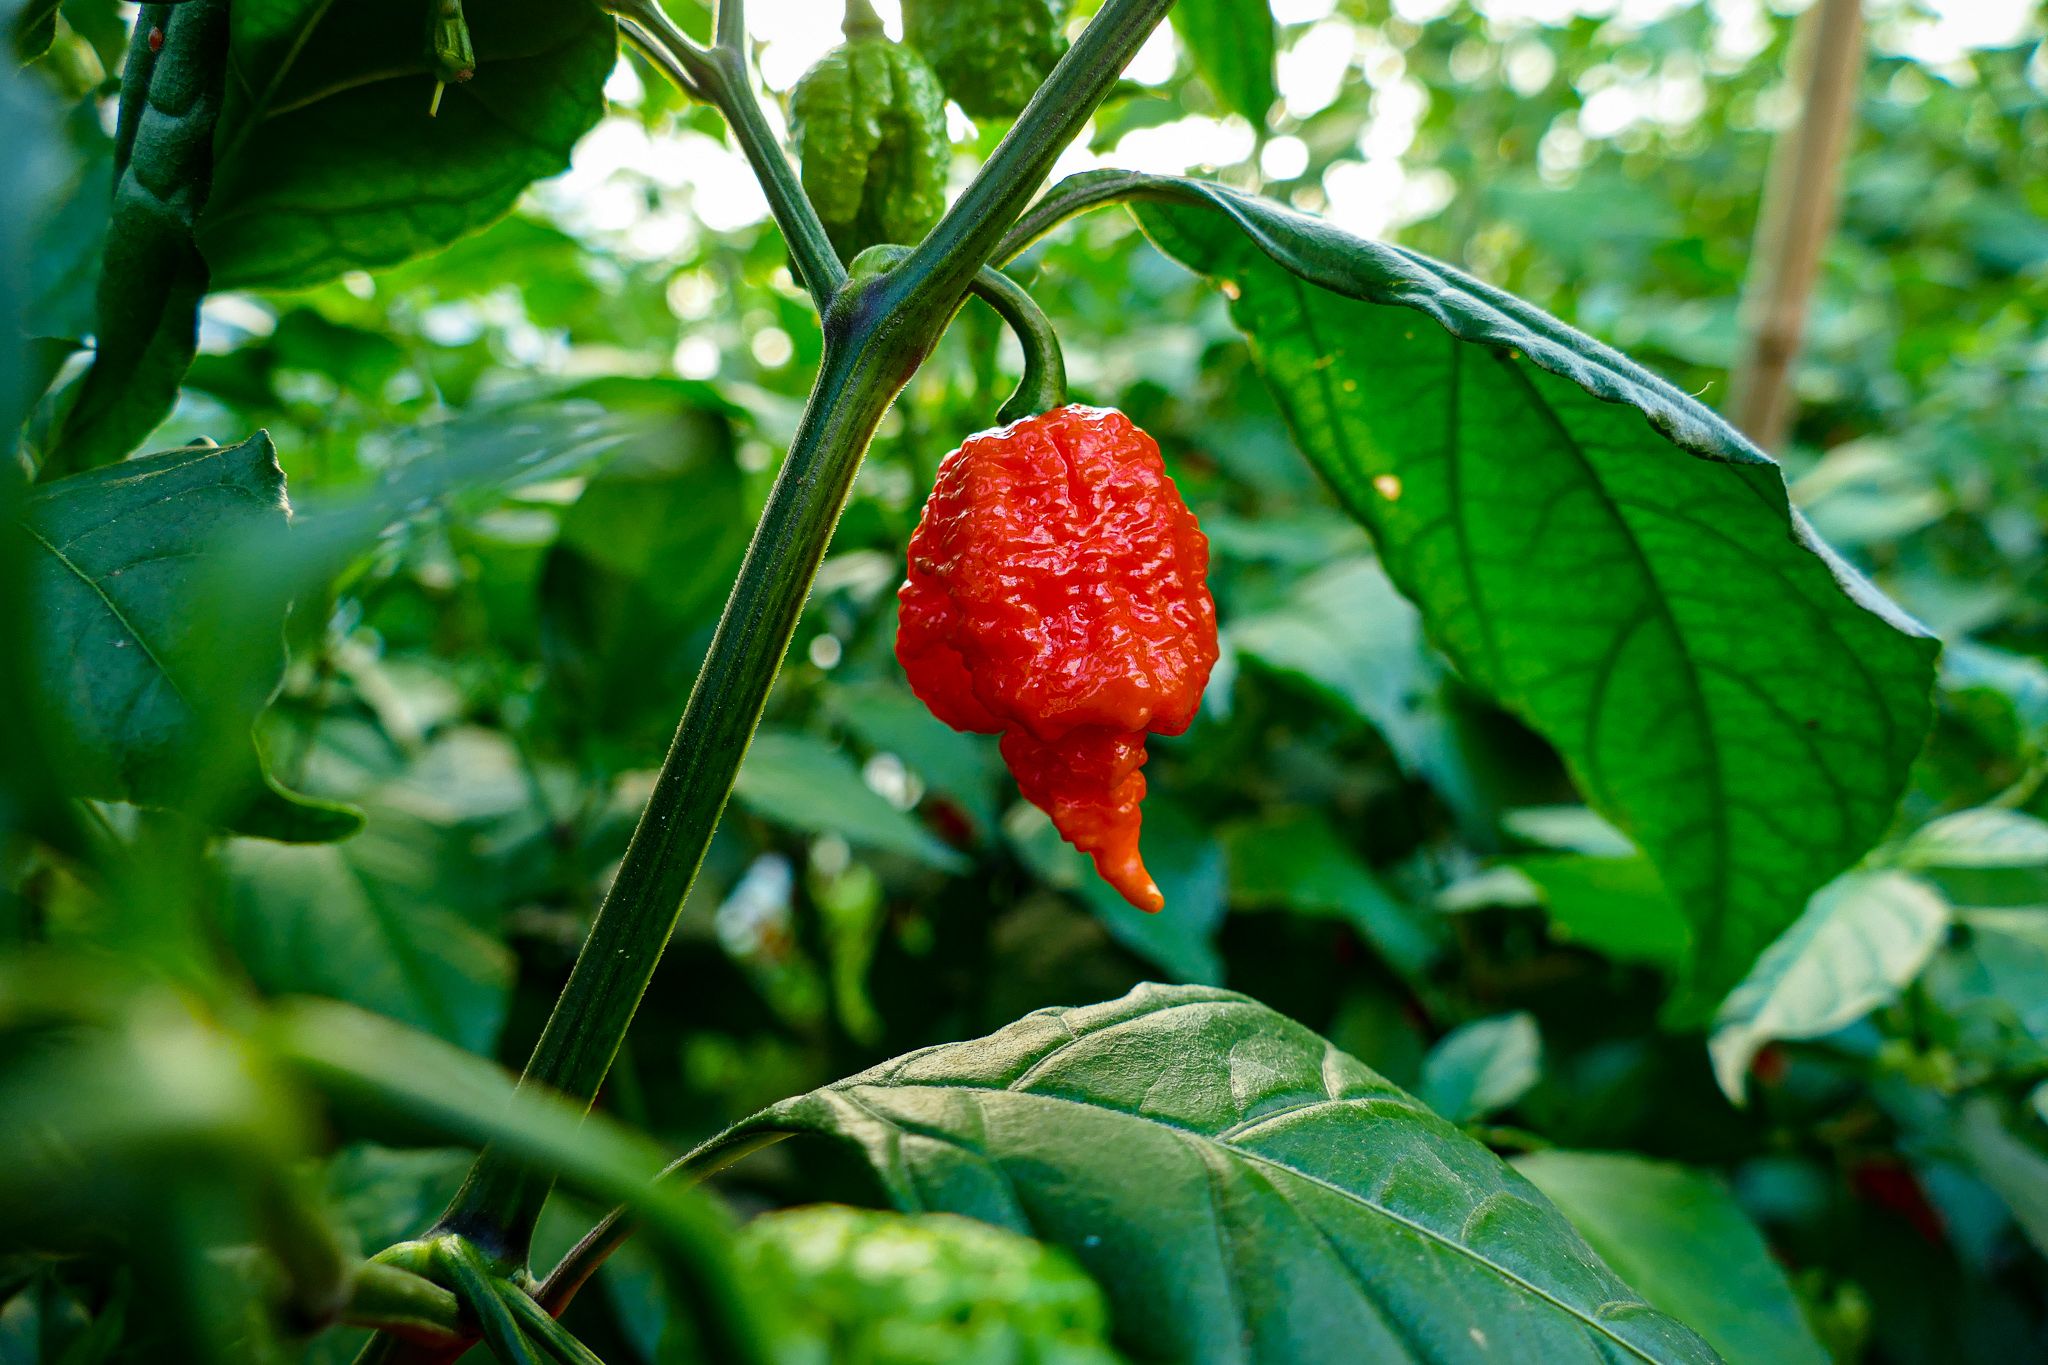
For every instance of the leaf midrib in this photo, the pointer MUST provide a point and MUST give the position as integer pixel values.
(1256, 1158)
(113, 608)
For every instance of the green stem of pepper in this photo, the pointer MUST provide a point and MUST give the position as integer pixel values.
(861, 21)
(449, 44)
(1043, 385)
(877, 332)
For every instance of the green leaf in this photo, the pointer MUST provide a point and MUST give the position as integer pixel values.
(387, 1194)
(1483, 1067)
(354, 922)
(34, 27)
(152, 275)
(1864, 936)
(630, 590)
(1616, 906)
(1232, 44)
(329, 161)
(1348, 632)
(1596, 549)
(1244, 1191)
(1568, 827)
(1680, 1239)
(804, 782)
(1183, 858)
(144, 693)
(1295, 859)
(1988, 837)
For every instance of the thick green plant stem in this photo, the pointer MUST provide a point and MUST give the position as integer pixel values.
(729, 28)
(965, 239)
(1043, 385)
(877, 332)
(861, 21)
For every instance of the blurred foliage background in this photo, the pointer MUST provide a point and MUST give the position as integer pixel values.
(1347, 833)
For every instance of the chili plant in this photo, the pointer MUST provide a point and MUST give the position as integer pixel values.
(1179, 1174)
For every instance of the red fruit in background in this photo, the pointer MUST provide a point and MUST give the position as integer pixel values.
(1058, 596)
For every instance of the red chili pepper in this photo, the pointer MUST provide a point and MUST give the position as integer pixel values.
(1057, 595)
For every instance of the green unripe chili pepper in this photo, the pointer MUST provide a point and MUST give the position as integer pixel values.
(449, 45)
(869, 123)
(991, 55)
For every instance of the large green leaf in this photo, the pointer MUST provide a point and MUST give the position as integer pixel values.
(1864, 936)
(145, 664)
(1599, 551)
(1232, 44)
(328, 160)
(1680, 1238)
(1244, 1191)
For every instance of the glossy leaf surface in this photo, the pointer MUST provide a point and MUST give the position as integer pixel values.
(1244, 1191)
(329, 160)
(1603, 554)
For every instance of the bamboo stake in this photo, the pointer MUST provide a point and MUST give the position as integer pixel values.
(1796, 218)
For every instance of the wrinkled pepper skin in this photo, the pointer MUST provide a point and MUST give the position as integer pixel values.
(991, 55)
(1057, 595)
(869, 123)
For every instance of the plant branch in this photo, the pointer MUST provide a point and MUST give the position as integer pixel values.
(1043, 385)
(877, 332)
(939, 269)
(502, 1199)
(729, 29)
(719, 76)
(581, 1261)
